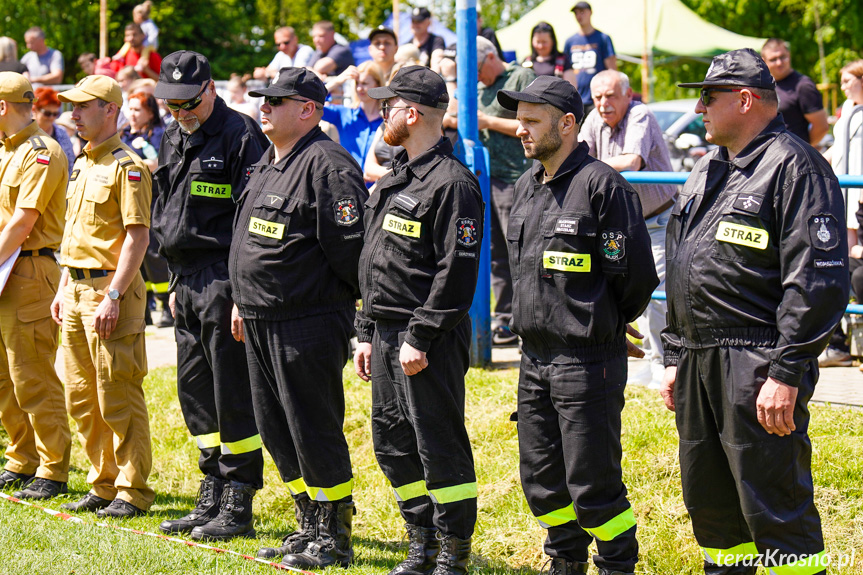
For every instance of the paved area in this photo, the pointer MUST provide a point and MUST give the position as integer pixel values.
(837, 385)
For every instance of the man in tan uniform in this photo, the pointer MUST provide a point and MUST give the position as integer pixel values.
(101, 304)
(33, 173)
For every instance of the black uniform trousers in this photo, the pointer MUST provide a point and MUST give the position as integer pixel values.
(418, 429)
(741, 484)
(295, 368)
(213, 380)
(570, 451)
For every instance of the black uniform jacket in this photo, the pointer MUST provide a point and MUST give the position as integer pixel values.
(299, 233)
(580, 260)
(421, 253)
(199, 179)
(758, 254)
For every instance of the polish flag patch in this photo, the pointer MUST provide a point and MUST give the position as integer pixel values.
(134, 176)
(43, 159)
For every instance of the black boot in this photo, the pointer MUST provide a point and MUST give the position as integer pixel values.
(235, 517)
(422, 552)
(453, 557)
(333, 544)
(561, 566)
(206, 507)
(306, 511)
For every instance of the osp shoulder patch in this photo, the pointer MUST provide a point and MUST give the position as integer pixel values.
(466, 232)
(824, 232)
(613, 246)
(346, 212)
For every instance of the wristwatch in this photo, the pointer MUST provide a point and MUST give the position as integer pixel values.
(113, 295)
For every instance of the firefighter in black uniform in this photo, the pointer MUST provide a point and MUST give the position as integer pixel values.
(758, 279)
(293, 269)
(582, 269)
(204, 162)
(418, 272)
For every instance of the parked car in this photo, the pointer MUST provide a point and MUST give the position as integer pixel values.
(683, 130)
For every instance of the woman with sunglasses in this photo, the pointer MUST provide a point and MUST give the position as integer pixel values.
(358, 123)
(46, 109)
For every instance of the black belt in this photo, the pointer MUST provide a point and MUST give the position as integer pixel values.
(661, 208)
(39, 252)
(81, 274)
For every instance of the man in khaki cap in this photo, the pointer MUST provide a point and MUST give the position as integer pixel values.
(33, 173)
(101, 304)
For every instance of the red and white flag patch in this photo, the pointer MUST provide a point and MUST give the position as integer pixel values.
(134, 176)
(43, 159)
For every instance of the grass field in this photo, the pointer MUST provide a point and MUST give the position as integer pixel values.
(508, 539)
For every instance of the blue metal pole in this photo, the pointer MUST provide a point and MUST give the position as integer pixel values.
(476, 157)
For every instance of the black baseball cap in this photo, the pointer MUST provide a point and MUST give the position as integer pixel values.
(415, 84)
(581, 6)
(742, 67)
(420, 14)
(294, 82)
(182, 75)
(546, 90)
(383, 30)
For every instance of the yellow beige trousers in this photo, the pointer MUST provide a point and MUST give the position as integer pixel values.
(104, 390)
(32, 408)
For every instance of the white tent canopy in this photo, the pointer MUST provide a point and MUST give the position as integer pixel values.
(672, 28)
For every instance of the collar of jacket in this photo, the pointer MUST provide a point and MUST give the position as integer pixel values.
(270, 154)
(573, 161)
(421, 165)
(210, 127)
(759, 143)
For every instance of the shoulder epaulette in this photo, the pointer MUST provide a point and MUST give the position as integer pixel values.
(37, 143)
(122, 157)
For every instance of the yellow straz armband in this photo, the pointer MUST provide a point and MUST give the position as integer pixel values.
(566, 262)
(401, 226)
(265, 228)
(742, 235)
(209, 190)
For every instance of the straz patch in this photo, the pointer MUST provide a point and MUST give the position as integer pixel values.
(466, 232)
(265, 228)
(43, 159)
(134, 176)
(346, 212)
(742, 235)
(824, 232)
(402, 226)
(208, 190)
(613, 246)
(566, 262)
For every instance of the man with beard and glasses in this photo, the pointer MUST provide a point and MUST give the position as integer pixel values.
(624, 134)
(582, 269)
(204, 163)
(293, 270)
(418, 272)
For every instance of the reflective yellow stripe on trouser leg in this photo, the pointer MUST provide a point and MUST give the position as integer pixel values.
(614, 527)
(208, 440)
(334, 493)
(808, 565)
(410, 490)
(242, 446)
(732, 555)
(454, 493)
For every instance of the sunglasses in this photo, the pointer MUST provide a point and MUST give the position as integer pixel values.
(706, 98)
(49, 113)
(276, 101)
(385, 110)
(188, 104)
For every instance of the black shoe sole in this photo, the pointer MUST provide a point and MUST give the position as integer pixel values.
(250, 534)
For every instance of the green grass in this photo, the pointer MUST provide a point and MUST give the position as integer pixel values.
(508, 539)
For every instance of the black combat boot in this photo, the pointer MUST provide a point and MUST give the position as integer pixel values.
(422, 552)
(306, 511)
(235, 517)
(561, 566)
(453, 557)
(333, 543)
(206, 507)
